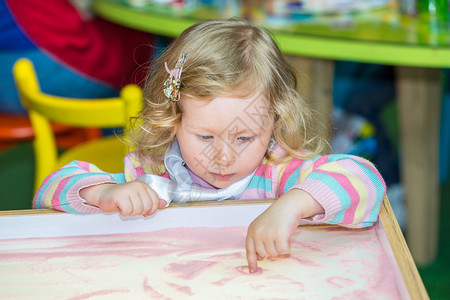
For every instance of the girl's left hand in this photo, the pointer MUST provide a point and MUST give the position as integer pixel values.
(270, 233)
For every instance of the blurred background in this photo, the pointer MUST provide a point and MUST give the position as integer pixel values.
(79, 52)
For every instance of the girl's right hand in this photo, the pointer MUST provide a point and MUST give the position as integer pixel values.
(129, 199)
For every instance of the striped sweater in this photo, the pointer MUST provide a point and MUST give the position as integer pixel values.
(349, 188)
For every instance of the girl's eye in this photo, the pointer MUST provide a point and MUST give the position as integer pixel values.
(245, 139)
(206, 138)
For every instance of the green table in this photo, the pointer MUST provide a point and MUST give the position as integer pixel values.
(418, 48)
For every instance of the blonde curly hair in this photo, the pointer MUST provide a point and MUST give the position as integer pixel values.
(225, 58)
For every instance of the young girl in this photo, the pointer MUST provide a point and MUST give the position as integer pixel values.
(222, 117)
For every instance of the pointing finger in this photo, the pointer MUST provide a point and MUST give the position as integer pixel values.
(251, 255)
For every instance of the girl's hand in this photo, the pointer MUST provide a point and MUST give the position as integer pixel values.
(270, 233)
(129, 199)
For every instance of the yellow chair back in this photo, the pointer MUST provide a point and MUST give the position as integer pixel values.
(107, 153)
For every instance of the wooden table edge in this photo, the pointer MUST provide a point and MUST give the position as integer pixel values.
(405, 261)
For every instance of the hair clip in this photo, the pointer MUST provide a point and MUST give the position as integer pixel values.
(271, 143)
(173, 82)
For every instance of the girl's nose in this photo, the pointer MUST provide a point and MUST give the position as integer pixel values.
(225, 155)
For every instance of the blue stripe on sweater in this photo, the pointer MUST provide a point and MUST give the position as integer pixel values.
(292, 180)
(67, 171)
(260, 183)
(337, 189)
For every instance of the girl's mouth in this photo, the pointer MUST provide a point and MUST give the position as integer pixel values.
(222, 177)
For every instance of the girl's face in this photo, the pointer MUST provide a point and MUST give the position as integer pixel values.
(225, 139)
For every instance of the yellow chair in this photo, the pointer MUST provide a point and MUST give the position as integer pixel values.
(107, 153)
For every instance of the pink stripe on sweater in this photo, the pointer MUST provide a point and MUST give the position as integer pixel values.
(368, 183)
(61, 185)
(45, 194)
(42, 201)
(84, 165)
(139, 171)
(263, 171)
(294, 165)
(343, 180)
(321, 161)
